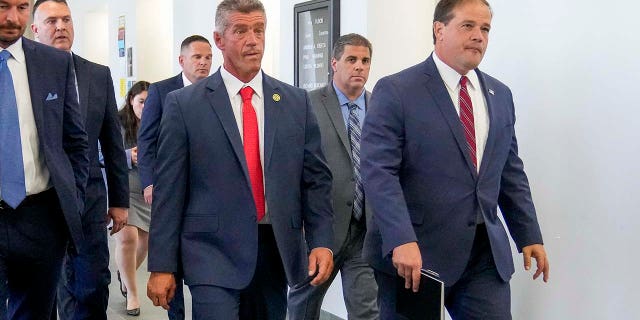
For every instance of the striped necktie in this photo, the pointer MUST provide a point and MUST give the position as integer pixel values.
(354, 138)
(466, 116)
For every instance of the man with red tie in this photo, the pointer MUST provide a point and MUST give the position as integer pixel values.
(239, 175)
(439, 156)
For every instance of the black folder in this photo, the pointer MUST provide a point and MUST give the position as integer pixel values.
(427, 303)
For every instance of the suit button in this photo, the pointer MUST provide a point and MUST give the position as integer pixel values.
(349, 203)
(471, 223)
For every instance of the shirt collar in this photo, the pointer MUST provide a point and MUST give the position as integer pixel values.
(451, 77)
(16, 50)
(234, 84)
(343, 100)
(185, 80)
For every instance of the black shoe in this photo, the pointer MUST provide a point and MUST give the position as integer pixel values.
(133, 312)
(123, 288)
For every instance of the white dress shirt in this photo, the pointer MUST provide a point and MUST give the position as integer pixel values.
(451, 80)
(185, 80)
(36, 173)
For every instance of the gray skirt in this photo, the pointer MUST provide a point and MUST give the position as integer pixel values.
(139, 211)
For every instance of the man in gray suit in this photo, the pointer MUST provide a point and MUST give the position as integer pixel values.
(340, 108)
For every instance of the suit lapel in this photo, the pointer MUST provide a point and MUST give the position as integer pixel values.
(272, 109)
(219, 101)
(489, 97)
(34, 65)
(178, 83)
(441, 96)
(82, 78)
(331, 105)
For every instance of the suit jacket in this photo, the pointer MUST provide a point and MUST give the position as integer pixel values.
(149, 124)
(422, 184)
(203, 209)
(99, 108)
(337, 150)
(60, 125)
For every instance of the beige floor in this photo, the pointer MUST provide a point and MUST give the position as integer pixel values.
(117, 304)
(148, 311)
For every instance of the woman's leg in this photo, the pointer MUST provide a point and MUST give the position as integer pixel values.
(126, 247)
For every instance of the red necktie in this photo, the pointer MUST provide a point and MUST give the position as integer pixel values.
(466, 116)
(252, 149)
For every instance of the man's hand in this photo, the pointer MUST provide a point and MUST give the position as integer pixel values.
(407, 259)
(321, 259)
(537, 252)
(148, 194)
(134, 155)
(119, 217)
(161, 288)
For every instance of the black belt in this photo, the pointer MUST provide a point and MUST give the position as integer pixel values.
(37, 198)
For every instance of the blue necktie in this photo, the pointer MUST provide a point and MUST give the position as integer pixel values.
(354, 138)
(12, 183)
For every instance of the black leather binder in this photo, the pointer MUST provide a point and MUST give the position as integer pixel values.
(427, 303)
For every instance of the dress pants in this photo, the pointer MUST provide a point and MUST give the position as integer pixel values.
(264, 299)
(358, 283)
(480, 293)
(33, 241)
(83, 291)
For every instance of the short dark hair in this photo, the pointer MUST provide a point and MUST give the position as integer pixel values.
(227, 6)
(351, 39)
(191, 39)
(39, 2)
(444, 11)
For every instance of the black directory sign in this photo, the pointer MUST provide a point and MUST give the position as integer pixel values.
(316, 27)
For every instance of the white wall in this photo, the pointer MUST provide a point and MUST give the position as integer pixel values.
(572, 66)
(153, 48)
(573, 69)
(190, 18)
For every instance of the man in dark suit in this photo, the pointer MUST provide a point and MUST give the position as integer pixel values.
(340, 108)
(43, 167)
(237, 229)
(83, 292)
(195, 60)
(439, 156)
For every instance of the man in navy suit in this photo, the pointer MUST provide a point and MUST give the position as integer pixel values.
(43, 167)
(439, 156)
(238, 229)
(195, 60)
(83, 292)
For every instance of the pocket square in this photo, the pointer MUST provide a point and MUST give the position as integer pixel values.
(52, 96)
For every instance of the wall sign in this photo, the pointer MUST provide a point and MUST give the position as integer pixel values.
(316, 26)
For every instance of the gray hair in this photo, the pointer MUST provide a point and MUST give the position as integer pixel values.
(228, 6)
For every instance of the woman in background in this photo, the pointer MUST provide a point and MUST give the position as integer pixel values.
(132, 240)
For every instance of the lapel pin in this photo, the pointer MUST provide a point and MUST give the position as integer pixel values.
(276, 97)
(491, 92)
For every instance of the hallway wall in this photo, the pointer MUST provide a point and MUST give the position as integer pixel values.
(572, 71)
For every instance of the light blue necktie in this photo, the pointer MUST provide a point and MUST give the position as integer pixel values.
(354, 138)
(12, 184)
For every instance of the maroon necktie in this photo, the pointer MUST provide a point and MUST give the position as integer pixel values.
(252, 149)
(466, 116)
